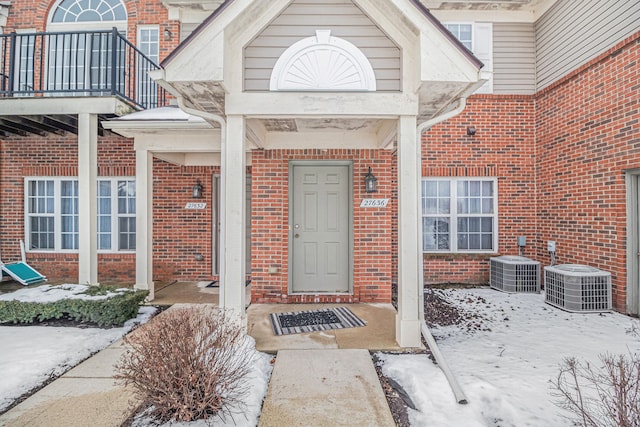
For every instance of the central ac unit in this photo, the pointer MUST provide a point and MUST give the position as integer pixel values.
(577, 288)
(514, 274)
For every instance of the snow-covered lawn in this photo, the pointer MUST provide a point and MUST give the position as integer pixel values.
(505, 365)
(30, 355)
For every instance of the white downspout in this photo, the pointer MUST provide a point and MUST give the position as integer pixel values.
(223, 131)
(426, 333)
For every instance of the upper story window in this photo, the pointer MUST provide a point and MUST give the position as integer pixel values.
(463, 32)
(89, 11)
(478, 38)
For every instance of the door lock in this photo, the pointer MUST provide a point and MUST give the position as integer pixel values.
(296, 235)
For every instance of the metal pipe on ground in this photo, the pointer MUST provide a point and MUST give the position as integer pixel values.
(461, 398)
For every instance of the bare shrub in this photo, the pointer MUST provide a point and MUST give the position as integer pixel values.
(187, 364)
(608, 396)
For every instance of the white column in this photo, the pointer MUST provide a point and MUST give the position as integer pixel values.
(409, 251)
(232, 216)
(144, 222)
(87, 198)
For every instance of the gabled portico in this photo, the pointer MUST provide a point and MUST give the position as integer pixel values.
(293, 105)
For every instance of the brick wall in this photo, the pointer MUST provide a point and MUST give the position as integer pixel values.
(588, 135)
(269, 237)
(180, 234)
(57, 156)
(503, 147)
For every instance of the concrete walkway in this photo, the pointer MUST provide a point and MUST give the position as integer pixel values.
(309, 387)
(325, 388)
(84, 396)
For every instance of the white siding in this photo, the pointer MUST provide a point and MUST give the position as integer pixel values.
(514, 58)
(301, 19)
(573, 32)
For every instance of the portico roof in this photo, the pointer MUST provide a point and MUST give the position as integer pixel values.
(206, 71)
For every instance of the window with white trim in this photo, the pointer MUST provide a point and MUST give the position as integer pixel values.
(478, 38)
(459, 215)
(51, 217)
(149, 45)
(116, 215)
(463, 32)
(89, 11)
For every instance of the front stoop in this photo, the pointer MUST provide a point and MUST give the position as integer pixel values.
(328, 387)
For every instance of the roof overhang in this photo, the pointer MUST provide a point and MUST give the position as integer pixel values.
(205, 71)
(489, 10)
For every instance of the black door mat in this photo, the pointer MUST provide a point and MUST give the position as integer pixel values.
(297, 322)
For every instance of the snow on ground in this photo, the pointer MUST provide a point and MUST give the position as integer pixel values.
(52, 293)
(506, 363)
(30, 355)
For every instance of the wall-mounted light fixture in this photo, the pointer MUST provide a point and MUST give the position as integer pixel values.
(471, 130)
(370, 182)
(196, 191)
(167, 34)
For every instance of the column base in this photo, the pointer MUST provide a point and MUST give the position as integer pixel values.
(147, 287)
(408, 333)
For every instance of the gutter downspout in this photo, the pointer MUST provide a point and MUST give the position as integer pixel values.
(223, 130)
(426, 333)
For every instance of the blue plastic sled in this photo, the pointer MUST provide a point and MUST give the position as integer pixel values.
(22, 272)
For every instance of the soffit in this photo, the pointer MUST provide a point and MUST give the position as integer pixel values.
(488, 10)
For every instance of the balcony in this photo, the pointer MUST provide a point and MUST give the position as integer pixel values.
(71, 68)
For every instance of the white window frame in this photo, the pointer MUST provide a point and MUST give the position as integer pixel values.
(57, 213)
(121, 25)
(152, 97)
(453, 215)
(449, 23)
(115, 215)
(481, 46)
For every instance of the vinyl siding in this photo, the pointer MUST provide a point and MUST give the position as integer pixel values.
(301, 19)
(573, 32)
(514, 58)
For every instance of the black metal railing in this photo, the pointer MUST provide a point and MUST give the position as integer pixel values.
(79, 63)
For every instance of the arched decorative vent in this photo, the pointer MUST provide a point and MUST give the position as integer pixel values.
(323, 63)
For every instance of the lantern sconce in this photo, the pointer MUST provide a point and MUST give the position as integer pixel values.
(196, 191)
(167, 34)
(471, 130)
(370, 182)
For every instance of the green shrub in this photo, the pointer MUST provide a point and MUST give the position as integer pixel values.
(111, 311)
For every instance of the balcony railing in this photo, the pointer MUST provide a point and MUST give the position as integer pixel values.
(79, 63)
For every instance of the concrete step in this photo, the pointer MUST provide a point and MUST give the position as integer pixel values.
(329, 387)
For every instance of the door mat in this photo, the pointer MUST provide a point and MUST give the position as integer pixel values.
(297, 322)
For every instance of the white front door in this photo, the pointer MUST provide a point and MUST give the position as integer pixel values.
(320, 227)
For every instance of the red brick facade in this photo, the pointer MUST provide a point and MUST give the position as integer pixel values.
(559, 157)
(270, 225)
(502, 148)
(588, 135)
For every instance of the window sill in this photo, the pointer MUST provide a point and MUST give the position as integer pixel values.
(459, 255)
